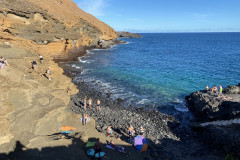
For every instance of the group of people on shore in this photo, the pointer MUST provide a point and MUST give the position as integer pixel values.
(3, 62)
(34, 67)
(131, 133)
(219, 91)
(90, 104)
(85, 117)
(214, 89)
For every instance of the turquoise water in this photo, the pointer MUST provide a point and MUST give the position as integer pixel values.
(161, 69)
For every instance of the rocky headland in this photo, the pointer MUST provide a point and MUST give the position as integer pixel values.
(217, 117)
(128, 35)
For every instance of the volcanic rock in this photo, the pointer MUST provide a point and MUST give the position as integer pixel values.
(208, 106)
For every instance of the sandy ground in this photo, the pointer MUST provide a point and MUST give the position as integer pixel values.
(33, 109)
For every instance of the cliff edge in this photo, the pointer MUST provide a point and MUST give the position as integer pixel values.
(56, 27)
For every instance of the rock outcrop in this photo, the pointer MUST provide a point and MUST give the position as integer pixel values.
(221, 116)
(56, 26)
(128, 35)
(208, 106)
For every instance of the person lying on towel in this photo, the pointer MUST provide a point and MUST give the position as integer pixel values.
(118, 148)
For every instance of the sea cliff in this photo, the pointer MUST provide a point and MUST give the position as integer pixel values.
(56, 27)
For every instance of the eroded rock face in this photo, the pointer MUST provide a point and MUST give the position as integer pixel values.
(209, 106)
(56, 24)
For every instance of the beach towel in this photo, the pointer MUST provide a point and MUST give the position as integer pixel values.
(66, 132)
(68, 128)
(91, 152)
(90, 144)
(88, 119)
(118, 148)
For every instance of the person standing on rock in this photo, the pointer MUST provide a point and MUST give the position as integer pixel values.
(98, 105)
(85, 104)
(90, 103)
(97, 148)
(206, 88)
(220, 89)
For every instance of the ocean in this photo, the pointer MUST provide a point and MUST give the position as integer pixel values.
(160, 69)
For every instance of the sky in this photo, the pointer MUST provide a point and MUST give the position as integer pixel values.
(150, 16)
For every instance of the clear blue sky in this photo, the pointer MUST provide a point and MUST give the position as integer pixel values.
(166, 15)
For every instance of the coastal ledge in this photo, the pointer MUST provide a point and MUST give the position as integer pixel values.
(217, 118)
(209, 106)
(128, 35)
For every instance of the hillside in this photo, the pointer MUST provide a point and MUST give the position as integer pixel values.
(53, 27)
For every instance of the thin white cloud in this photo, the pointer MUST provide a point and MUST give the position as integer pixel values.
(94, 7)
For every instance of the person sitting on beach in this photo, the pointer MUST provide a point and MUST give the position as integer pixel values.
(34, 65)
(40, 58)
(117, 148)
(3, 60)
(214, 89)
(90, 103)
(98, 105)
(109, 131)
(131, 132)
(85, 103)
(220, 89)
(97, 148)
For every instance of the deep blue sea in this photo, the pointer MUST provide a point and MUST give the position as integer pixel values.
(160, 69)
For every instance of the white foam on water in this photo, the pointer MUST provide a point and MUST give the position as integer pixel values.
(89, 52)
(85, 71)
(83, 61)
(75, 66)
(98, 49)
(178, 100)
(181, 108)
(143, 101)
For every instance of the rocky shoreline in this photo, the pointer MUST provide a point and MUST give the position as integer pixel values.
(163, 131)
